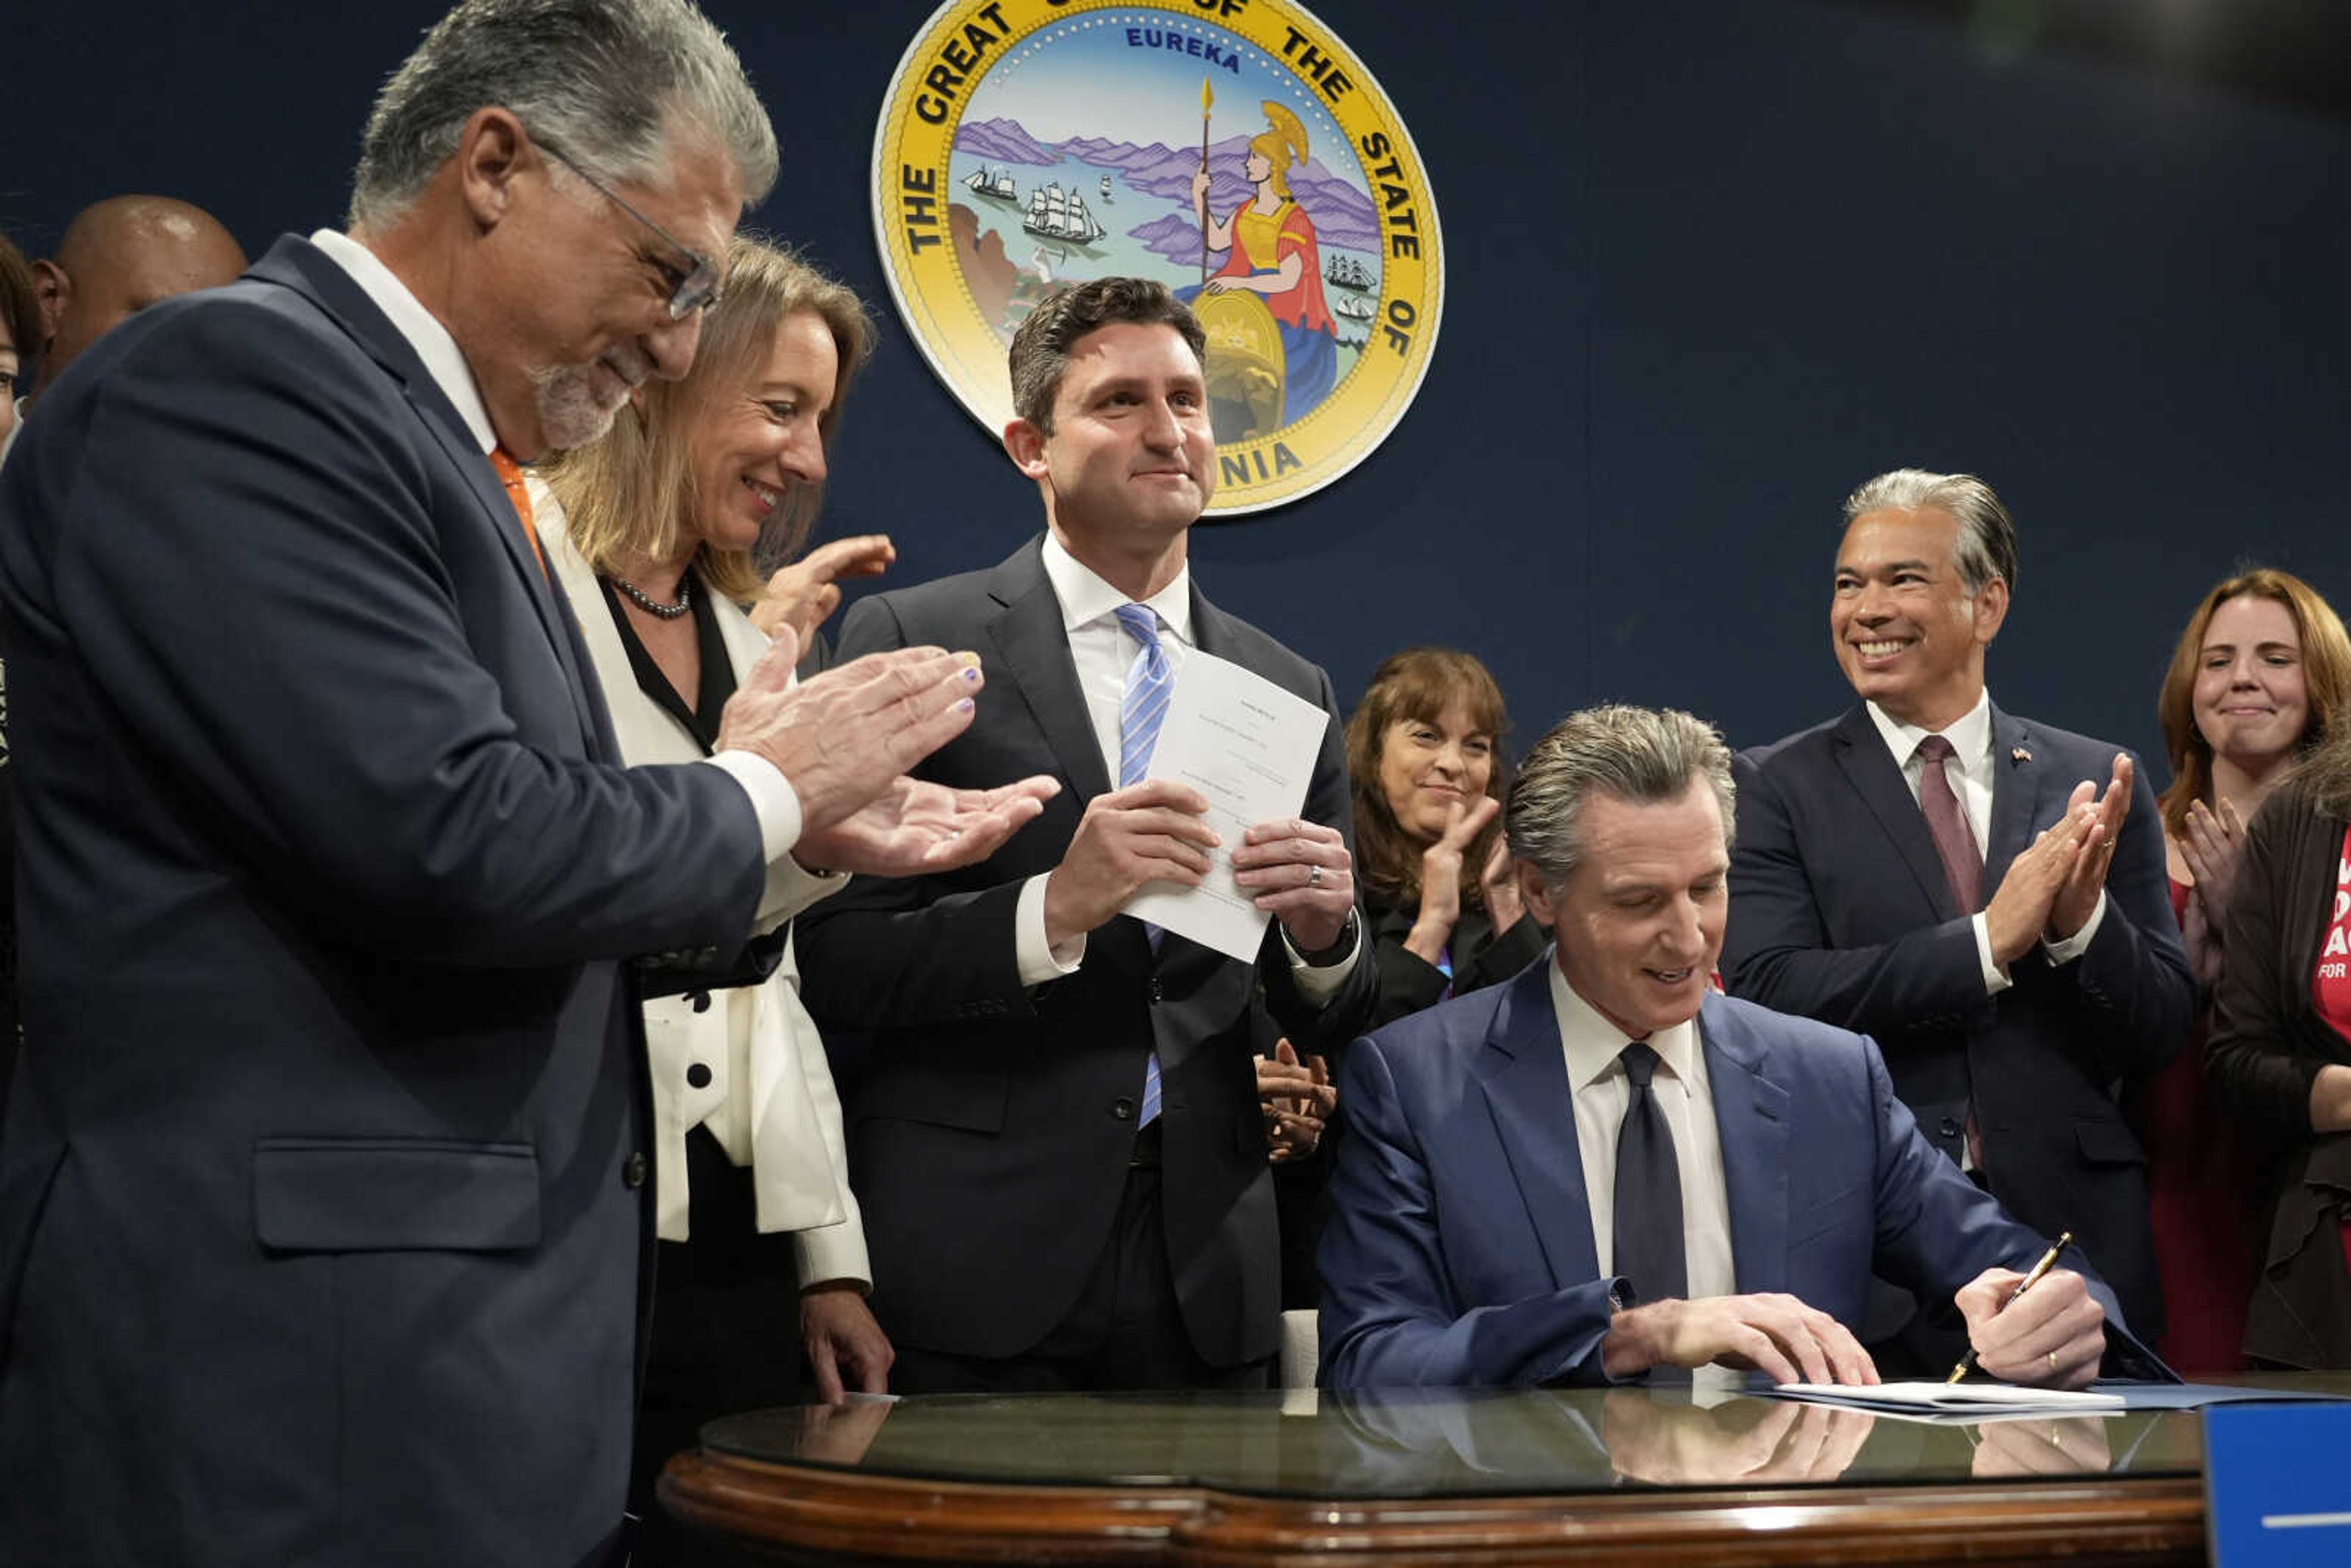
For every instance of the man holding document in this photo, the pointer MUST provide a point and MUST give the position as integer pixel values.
(1057, 1138)
(1605, 1165)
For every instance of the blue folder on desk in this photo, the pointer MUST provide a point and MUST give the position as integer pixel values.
(2277, 1489)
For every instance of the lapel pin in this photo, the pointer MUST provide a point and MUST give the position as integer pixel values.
(2020, 755)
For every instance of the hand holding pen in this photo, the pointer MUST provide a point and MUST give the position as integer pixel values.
(2043, 1329)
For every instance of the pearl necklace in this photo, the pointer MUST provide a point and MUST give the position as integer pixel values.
(655, 607)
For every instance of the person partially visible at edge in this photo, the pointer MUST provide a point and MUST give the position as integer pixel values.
(115, 258)
(652, 533)
(324, 1209)
(19, 330)
(2257, 674)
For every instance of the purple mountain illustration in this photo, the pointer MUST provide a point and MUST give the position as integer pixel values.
(1342, 216)
(1003, 142)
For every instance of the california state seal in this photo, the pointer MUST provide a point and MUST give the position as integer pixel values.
(1235, 150)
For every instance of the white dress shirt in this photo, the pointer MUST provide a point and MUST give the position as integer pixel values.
(1970, 772)
(1103, 651)
(1600, 1091)
(773, 800)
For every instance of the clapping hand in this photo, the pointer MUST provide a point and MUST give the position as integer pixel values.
(803, 593)
(1298, 1097)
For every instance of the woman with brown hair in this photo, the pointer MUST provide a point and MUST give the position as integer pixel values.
(656, 533)
(2258, 672)
(1423, 750)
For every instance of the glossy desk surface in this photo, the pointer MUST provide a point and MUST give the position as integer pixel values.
(1546, 1476)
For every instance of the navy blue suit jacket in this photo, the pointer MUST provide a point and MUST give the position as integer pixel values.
(991, 1126)
(320, 1208)
(1459, 1251)
(1840, 911)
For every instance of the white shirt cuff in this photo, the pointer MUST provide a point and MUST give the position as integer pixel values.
(1035, 959)
(2076, 945)
(1320, 984)
(1995, 979)
(789, 887)
(773, 800)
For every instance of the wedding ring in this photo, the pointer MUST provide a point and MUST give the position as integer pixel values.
(1314, 876)
(2053, 1361)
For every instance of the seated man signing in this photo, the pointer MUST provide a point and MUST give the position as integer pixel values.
(1604, 1165)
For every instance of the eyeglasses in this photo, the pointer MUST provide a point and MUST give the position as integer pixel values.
(696, 284)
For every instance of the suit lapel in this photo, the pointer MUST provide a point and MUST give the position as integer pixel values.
(297, 265)
(2017, 777)
(1028, 634)
(1751, 1118)
(1523, 1071)
(1870, 769)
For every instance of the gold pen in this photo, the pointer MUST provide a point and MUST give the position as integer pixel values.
(2048, 1262)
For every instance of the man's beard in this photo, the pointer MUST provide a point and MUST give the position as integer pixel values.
(571, 412)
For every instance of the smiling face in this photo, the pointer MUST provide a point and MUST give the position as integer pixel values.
(2251, 704)
(1430, 767)
(571, 309)
(750, 447)
(1130, 463)
(1907, 634)
(1640, 919)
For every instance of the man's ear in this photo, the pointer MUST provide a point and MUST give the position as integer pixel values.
(1531, 891)
(1991, 610)
(54, 290)
(492, 150)
(1025, 444)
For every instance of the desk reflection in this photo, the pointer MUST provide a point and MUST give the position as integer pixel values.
(1425, 1443)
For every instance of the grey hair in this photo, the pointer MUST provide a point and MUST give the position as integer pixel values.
(1639, 755)
(609, 82)
(1986, 547)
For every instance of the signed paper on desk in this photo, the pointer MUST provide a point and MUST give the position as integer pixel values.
(1250, 746)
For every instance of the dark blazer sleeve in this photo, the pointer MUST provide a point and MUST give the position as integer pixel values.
(899, 953)
(1388, 1318)
(2255, 1058)
(2138, 996)
(257, 583)
(1776, 949)
(1936, 1231)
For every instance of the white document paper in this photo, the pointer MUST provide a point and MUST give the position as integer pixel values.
(1977, 1400)
(1250, 746)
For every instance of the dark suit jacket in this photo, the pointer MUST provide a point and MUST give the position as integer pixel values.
(321, 1205)
(1840, 912)
(990, 1130)
(1459, 1248)
(2268, 1045)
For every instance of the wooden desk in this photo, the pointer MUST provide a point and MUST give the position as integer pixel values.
(1618, 1477)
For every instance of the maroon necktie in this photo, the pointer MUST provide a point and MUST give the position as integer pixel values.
(1955, 841)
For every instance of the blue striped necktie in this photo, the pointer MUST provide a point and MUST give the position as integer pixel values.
(1149, 684)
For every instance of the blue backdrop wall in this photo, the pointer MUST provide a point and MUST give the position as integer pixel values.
(1710, 263)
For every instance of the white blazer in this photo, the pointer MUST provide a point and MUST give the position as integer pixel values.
(769, 1098)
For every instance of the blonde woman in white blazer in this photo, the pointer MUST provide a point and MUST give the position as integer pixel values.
(652, 534)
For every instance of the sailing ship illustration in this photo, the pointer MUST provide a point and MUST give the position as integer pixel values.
(1352, 308)
(1059, 216)
(1105, 189)
(1345, 272)
(997, 186)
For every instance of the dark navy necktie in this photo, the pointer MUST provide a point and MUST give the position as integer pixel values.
(1648, 1190)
